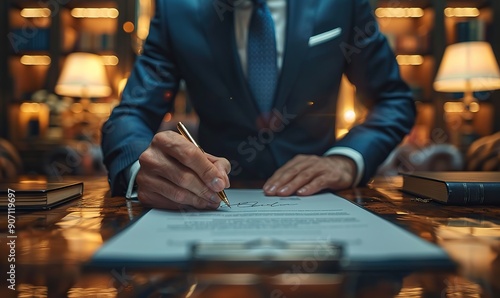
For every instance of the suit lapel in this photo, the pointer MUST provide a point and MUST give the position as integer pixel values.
(219, 31)
(300, 24)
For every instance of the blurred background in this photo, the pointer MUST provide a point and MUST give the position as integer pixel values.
(66, 63)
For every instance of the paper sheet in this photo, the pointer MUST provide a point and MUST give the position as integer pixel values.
(165, 236)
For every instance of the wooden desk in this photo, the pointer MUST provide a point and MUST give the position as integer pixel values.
(53, 245)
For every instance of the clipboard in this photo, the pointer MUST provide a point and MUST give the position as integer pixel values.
(266, 256)
(276, 234)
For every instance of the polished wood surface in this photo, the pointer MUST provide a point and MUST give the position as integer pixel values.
(54, 246)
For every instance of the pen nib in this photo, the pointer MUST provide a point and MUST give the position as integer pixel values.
(223, 197)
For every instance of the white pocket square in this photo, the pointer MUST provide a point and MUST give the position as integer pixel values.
(324, 37)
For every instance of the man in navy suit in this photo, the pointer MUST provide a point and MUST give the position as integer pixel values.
(263, 77)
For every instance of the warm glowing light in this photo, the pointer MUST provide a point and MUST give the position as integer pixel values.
(35, 12)
(458, 107)
(110, 13)
(29, 290)
(466, 67)
(399, 12)
(342, 132)
(410, 59)
(76, 108)
(30, 107)
(92, 292)
(110, 60)
(32, 181)
(121, 85)
(83, 75)
(143, 27)
(461, 12)
(349, 116)
(35, 60)
(128, 27)
(100, 108)
(453, 107)
(146, 11)
(474, 107)
(310, 103)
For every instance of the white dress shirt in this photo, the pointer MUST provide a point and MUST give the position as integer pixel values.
(242, 14)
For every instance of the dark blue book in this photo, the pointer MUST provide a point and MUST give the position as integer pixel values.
(455, 188)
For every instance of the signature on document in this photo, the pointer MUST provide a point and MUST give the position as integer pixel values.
(251, 204)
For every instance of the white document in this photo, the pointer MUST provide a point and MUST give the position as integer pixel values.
(165, 236)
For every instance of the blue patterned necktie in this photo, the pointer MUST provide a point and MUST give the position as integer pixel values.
(261, 56)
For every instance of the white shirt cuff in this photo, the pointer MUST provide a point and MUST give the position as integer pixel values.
(352, 154)
(131, 173)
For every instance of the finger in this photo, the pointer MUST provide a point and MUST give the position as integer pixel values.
(168, 168)
(299, 181)
(175, 145)
(160, 193)
(314, 186)
(156, 200)
(223, 165)
(276, 180)
(156, 191)
(332, 182)
(334, 173)
(285, 174)
(185, 178)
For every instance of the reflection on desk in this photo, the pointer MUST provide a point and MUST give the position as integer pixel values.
(53, 246)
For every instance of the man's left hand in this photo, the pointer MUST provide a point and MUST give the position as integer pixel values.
(308, 174)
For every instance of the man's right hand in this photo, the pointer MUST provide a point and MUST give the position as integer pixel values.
(175, 173)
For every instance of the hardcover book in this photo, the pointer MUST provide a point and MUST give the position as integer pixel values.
(455, 188)
(34, 194)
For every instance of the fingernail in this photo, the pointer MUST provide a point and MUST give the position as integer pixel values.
(272, 188)
(283, 190)
(215, 198)
(218, 184)
(302, 190)
(224, 174)
(213, 205)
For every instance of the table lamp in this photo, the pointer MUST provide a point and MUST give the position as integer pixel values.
(84, 76)
(468, 67)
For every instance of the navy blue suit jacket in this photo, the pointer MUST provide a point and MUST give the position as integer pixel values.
(194, 40)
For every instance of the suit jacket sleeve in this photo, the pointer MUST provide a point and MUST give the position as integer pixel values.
(146, 98)
(372, 68)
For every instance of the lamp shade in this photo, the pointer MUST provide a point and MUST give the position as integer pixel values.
(468, 65)
(83, 75)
